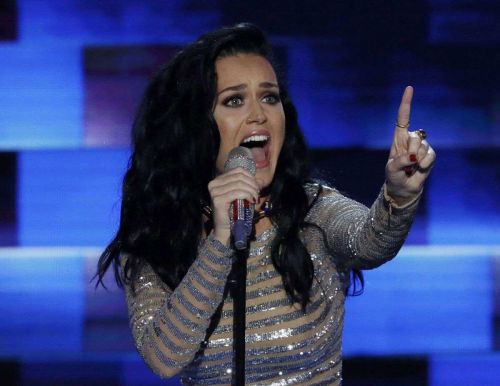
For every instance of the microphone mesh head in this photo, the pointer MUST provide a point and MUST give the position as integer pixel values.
(240, 157)
(241, 211)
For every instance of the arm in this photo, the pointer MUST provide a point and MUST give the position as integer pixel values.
(364, 238)
(168, 326)
(359, 237)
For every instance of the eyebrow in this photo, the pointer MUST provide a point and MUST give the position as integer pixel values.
(243, 86)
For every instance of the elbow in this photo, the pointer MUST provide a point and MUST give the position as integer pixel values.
(371, 262)
(367, 261)
(160, 367)
(164, 372)
(164, 363)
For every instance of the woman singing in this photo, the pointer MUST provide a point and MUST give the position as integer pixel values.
(173, 251)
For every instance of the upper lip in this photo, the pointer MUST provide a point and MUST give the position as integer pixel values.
(257, 132)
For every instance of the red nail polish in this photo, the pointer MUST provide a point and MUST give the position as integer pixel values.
(413, 158)
(408, 170)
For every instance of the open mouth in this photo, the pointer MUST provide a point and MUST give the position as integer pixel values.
(259, 146)
(255, 141)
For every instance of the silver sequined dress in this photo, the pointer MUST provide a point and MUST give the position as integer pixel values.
(284, 346)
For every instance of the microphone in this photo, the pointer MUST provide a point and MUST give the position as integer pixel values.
(241, 211)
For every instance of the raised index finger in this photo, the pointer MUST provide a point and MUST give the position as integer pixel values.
(404, 109)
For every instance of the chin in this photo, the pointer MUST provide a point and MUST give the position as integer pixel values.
(266, 176)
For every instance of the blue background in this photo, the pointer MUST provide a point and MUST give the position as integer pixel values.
(347, 63)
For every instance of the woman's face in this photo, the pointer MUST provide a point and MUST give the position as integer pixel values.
(248, 111)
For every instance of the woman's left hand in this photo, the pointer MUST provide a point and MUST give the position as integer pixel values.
(411, 158)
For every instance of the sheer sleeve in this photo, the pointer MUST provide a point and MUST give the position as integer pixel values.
(360, 237)
(168, 326)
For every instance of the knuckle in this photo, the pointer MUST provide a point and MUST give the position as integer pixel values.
(240, 170)
(214, 190)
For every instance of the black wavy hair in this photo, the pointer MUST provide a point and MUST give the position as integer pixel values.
(175, 146)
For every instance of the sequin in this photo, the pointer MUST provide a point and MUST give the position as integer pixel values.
(266, 235)
(284, 346)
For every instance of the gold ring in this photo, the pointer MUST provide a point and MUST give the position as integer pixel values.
(422, 134)
(403, 126)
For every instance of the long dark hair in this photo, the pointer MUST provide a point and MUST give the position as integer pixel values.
(175, 146)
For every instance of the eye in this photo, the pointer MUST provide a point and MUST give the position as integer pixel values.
(272, 98)
(233, 101)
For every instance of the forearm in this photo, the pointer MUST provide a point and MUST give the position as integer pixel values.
(168, 327)
(361, 237)
(382, 232)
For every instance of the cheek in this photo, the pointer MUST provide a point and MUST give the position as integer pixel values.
(221, 154)
(225, 144)
(280, 124)
(225, 136)
(227, 124)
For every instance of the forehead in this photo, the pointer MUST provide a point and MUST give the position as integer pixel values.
(243, 68)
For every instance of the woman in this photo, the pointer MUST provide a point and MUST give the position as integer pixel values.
(173, 249)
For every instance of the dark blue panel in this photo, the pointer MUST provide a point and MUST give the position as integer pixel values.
(8, 20)
(8, 195)
(115, 80)
(385, 371)
(465, 22)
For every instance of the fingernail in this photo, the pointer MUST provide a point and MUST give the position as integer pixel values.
(408, 170)
(413, 158)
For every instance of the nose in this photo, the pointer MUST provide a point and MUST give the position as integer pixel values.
(256, 114)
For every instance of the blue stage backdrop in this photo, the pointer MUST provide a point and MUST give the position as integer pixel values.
(71, 75)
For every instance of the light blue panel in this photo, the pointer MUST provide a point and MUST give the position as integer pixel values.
(464, 370)
(40, 95)
(427, 300)
(69, 197)
(463, 194)
(113, 21)
(41, 304)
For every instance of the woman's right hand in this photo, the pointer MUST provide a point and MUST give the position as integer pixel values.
(224, 189)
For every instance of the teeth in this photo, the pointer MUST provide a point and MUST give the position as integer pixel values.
(256, 138)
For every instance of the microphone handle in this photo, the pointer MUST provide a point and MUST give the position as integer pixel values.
(241, 212)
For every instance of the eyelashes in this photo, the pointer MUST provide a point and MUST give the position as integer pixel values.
(233, 101)
(238, 100)
(272, 98)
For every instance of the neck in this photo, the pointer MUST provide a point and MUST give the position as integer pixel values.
(262, 225)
